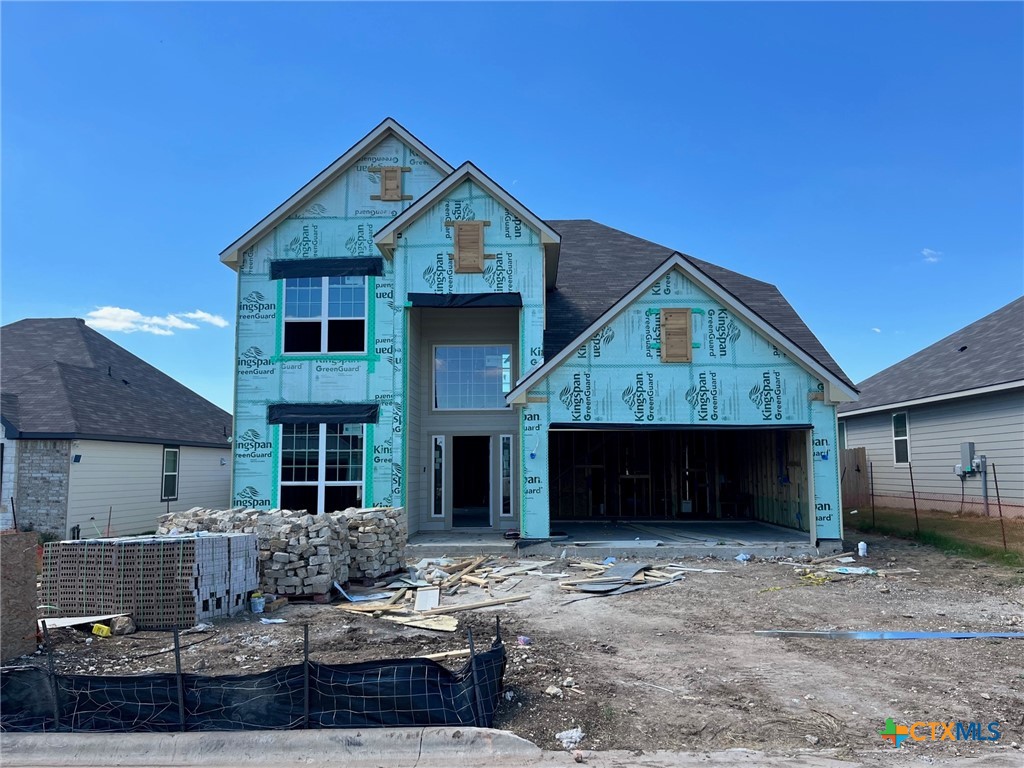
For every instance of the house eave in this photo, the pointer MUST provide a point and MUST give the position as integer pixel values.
(945, 397)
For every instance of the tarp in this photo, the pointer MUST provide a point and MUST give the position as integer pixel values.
(280, 269)
(322, 413)
(466, 300)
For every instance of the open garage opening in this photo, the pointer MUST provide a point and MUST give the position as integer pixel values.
(634, 474)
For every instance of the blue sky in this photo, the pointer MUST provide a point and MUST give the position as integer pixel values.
(866, 158)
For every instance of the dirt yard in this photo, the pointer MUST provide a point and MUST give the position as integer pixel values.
(678, 667)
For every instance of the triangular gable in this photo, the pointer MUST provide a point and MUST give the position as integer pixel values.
(836, 389)
(232, 254)
(385, 237)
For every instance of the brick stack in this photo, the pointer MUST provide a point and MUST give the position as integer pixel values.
(162, 581)
(378, 537)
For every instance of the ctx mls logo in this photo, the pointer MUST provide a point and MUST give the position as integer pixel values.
(934, 730)
(251, 445)
(250, 497)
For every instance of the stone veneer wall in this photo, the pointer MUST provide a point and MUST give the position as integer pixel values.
(17, 594)
(42, 487)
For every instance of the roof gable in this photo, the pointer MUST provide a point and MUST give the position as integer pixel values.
(549, 238)
(91, 388)
(389, 127)
(987, 353)
(840, 388)
(598, 262)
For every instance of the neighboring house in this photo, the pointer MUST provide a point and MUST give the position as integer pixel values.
(913, 417)
(92, 433)
(411, 334)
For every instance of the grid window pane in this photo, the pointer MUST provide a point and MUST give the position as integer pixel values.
(303, 297)
(476, 377)
(346, 297)
(300, 453)
(344, 453)
(899, 425)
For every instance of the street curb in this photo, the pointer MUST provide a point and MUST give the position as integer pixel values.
(349, 747)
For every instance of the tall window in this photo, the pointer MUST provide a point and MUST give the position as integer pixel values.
(169, 483)
(472, 377)
(321, 467)
(325, 314)
(900, 438)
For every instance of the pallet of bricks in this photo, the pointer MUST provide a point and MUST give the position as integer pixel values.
(162, 581)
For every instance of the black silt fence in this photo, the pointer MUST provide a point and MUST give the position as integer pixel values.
(393, 692)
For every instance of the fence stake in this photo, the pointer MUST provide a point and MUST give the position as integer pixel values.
(871, 478)
(913, 495)
(53, 676)
(477, 708)
(999, 505)
(305, 675)
(181, 684)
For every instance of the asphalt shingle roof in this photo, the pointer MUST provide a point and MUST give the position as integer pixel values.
(61, 378)
(987, 352)
(599, 265)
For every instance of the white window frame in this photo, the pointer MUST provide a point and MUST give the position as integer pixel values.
(841, 434)
(434, 442)
(321, 482)
(164, 474)
(433, 375)
(511, 478)
(325, 318)
(906, 424)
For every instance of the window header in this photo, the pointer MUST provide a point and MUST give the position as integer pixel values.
(281, 269)
(322, 413)
(466, 300)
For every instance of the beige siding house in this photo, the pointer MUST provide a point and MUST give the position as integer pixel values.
(97, 442)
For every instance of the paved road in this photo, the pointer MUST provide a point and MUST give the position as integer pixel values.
(415, 748)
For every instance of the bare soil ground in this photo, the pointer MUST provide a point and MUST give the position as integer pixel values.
(678, 667)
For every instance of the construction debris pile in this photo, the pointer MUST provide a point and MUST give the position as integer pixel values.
(302, 554)
(162, 581)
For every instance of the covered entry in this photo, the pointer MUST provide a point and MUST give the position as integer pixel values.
(636, 473)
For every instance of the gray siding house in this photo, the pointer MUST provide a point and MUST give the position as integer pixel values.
(95, 441)
(915, 416)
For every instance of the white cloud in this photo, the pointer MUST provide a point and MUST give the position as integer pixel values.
(930, 256)
(129, 321)
(206, 317)
(877, 330)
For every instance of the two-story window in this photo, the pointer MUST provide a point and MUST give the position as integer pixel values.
(472, 377)
(325, 314)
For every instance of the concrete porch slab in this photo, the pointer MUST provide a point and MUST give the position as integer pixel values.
(714, 538)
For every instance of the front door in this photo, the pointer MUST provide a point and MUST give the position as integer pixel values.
(471, 481)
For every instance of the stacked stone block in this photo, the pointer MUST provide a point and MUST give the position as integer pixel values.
(378, 538)
(303, 554)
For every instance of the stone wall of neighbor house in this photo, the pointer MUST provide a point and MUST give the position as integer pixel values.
(17, 594)
(42, 485)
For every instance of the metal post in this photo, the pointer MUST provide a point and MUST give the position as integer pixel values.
(913, 495)
(53, 677)
(305, 675)
(871, 480)
(999, 505)
(984, 482)
(181, 684)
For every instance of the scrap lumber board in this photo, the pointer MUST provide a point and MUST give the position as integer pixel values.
(473, 606)
(446, 655)
(467, 569)
(74, 621)
(515, 570)
(435, 623)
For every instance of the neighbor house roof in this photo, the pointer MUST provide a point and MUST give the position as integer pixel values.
(599, 265)
(987, 355)
(61, 380)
